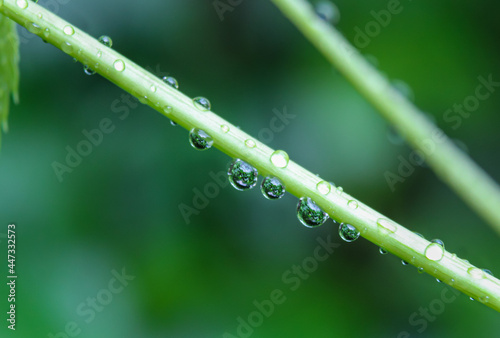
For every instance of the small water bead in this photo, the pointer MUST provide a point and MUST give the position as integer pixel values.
(323, 187)
(394, 137)
(419, 234)
(404, 262)
(242, 175)
(386, 225)
(309, 214)
(471, 298)
(327, 11)
(434, 252)
(23, 4)
(67, 47)
(382, 251)
(280, 159)
(404, 89)
(420, 270)
(348, 232)
(168, 109)
(488, 272)
(106, 41)
(46, 32)
(476, 273)
(69, 30)
(34, 28)
(250, 143)
(353, 204)
(172, 82)
(153, 89)
(119, 65)
(438, 241)
(200, 140)
(173, 123)
(437, 280)
(224, 129)
(272, 188)
(87, 70)
(484, 299)
(202, 103)
(99, 54)
(339, 190)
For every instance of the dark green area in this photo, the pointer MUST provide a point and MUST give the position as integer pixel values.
(119, 207)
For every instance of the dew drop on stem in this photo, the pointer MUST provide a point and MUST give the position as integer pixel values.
(272, 188)
(348, 232)
(200, 140)
(310, 214)
(242, 175)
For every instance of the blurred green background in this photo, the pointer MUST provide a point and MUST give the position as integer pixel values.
(120, 207)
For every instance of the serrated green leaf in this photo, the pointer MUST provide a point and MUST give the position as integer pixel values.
(9, 67)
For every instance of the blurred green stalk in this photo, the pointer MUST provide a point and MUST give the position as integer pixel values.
(452, 165)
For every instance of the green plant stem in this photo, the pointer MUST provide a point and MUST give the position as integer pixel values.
(452, 165)
(300, 182)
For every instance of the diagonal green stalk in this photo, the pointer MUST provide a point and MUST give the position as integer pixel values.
(232, 141)
(452, 165)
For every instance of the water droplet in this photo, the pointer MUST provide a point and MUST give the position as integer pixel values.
(476, 273)
(272, 188)
(172, 82)
(394, 137)
(34, 28)
(280, 159)
(202, 103)
(23, 4)
(327, 11)
(488, 272)
(67, 47)
(348, 232)
(484, 299)
(69, 30)
(119, 65)
(420, 270)
(310, 214)
(99, 54)
(353, 204)
(404, 262)
(434, 252)
(200, 140)
(168, 110)
(153, 89)
(323, 187)
(224, 128)
(46, 32)
(250, 143)
(386, 226)
(437, 280)
(438, 241)
(173, 123)
(382, 251)
(471, 298)
(88, 70)
(106, 41)
(339, 190)
(242, 175)
(404, 89)
(419, 234)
